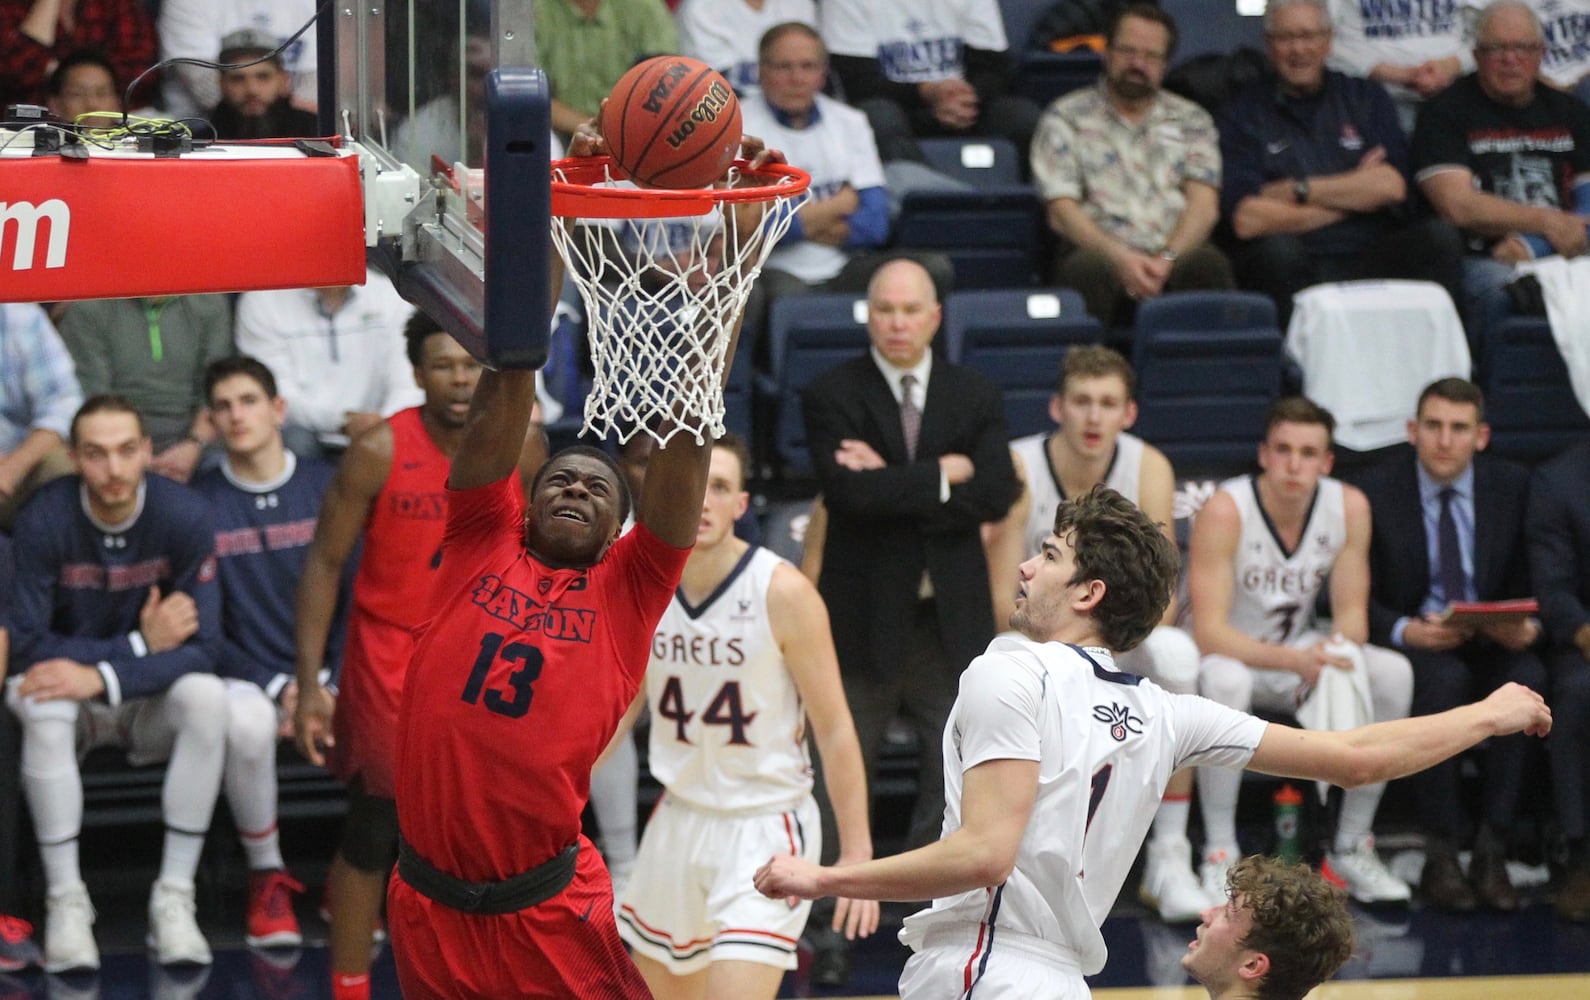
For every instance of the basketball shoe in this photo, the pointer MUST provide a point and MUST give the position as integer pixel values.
(271, 922)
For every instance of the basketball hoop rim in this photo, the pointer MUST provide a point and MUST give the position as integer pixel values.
(579, 195)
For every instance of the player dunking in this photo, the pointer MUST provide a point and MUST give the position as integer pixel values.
(543, 623)
(742, 656)
(1054, 765)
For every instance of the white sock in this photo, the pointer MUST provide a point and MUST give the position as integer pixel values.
(179, 861)
(264, 850)
(1170, 822)
(60, 864)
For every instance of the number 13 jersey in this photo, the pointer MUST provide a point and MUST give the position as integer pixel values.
(728, 727)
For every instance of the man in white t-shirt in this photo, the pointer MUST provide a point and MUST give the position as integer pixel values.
(724, 34)
(1093, 405)
(1054, 761)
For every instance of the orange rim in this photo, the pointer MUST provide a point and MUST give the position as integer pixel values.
(580, 193)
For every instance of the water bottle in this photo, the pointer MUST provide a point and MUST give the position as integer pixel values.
(1288, 808)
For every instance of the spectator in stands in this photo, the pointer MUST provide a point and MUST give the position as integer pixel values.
(196, 29)
(256, 100)
(913, 455)
(926, 68)
(586, 45)
(83, 82)
(1093, 405)
(831, 240)
(728, 34)
(1414, 50)
(1559, 562)
(154, 351)
(35, 35)
(1262, 548)
(1316, 174)
(338, 356)
(1449, 528)
(1500, 156)
(265, 502)
(1129, 175)
(38, 396)
(115, 618)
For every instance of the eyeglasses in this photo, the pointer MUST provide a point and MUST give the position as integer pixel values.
(1307, 37)
(1129, 52)
(1496, 50)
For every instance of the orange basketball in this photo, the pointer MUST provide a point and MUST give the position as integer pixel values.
(672, 122)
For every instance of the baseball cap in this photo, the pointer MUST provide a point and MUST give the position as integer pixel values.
(247, 44)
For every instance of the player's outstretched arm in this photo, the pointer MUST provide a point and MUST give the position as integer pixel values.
(343, 513)
(800, 623)
(1387, 750)
(996, 801)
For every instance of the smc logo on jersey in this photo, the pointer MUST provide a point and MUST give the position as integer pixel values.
(1120, 720)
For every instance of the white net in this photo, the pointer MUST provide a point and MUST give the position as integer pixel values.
(663, 296)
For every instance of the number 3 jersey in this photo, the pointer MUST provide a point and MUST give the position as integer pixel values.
(727, 729)
(517, 683)
(1105, 743)
(1273, 589)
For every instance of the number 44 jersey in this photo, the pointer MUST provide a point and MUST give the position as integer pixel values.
(727, 730)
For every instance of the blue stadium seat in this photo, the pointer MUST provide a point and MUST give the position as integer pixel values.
(982, 162)
(1044, 76)
(1208, 366)
(1529, 402)
(990, 235)
(1018, 338)
(738, 391)
(810, 334)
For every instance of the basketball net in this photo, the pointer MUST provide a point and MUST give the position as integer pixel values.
(665, 275)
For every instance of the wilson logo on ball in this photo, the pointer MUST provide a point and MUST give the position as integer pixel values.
(705, 111)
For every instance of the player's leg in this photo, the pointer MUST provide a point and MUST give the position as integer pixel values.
(54, 790)
(1170, 658)
(666, 985)
(356, 885)
(249, 780)
(1352, 856)
(614, 787)
(732, 980)
(1229, 682)
(186, 727)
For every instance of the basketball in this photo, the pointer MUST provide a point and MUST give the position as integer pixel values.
(672, 122)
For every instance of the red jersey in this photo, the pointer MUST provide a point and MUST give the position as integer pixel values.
(517, 685)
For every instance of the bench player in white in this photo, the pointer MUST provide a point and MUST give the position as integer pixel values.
(1054, 764)
(740, 659)
(1261, 549)
(1094, 403)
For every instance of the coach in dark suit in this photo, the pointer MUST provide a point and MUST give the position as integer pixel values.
(1559, 557)
(1449, 526)
(903, 570)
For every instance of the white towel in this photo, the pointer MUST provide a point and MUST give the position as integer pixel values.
(1340, 700)
(1566, 287)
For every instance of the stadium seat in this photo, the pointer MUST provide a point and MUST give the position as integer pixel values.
(990, 235)
(1044, 76)
(982, 162)
(1529, 402)
(1208, 366)
(810, 334)
(1018, 338)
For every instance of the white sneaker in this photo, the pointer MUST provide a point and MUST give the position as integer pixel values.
(1212, 874)
(69, 931)
(174, 934)
(1169, 884)
(1366, 878)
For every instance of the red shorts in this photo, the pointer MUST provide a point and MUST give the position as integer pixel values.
(565, 947)
(374, 662)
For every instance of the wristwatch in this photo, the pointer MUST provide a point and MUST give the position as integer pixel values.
(1300, 190)
(1168, 254)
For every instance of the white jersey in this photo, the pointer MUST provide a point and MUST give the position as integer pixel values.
(725, 34)
(1566, 25)
(1043, 482)
(728, 728)
(1365, 33)
(1106, 743)
(913, 40)
(837, 148)
(1273, 590)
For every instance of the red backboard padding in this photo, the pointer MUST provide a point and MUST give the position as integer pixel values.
(112, 227)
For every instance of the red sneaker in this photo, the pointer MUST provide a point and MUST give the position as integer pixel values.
(17, 949)
(271, 921)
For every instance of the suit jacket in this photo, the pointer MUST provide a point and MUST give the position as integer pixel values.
(1399, 560)
(1559, 542)
(885, 526)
